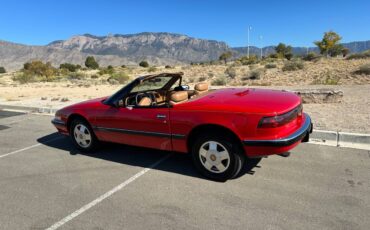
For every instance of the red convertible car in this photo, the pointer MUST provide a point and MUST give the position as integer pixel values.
(220, 128)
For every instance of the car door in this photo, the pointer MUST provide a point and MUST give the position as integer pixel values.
(139, 126)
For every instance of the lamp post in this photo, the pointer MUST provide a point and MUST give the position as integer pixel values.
(261, 45)
(249, 28)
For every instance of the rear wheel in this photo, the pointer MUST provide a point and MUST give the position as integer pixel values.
(82, 135)
(217, 158)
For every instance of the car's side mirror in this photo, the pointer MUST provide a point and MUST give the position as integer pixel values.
(119, 103)
(185, 87)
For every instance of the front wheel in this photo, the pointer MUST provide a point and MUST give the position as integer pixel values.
(217, 158)
(82, 135)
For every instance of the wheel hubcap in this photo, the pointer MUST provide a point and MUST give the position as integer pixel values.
(82, 135)
(214, 157)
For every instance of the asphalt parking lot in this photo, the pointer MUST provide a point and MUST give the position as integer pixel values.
(46, 183)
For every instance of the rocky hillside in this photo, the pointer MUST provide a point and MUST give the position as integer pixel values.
(157, 48)
(139, 46)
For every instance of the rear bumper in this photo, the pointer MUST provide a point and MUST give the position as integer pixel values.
(301, 134)
(261, 148)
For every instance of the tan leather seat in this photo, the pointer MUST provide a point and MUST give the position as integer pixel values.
(145, 101)
(178, 97)
(201, 88)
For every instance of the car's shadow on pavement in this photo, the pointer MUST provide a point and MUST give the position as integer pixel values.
(143, 157)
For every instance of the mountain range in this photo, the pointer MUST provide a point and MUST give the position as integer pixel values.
(156, 48)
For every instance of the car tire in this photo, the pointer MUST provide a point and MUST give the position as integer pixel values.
(217, 158)
(82, 135)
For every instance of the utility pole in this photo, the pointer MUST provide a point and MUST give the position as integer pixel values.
(261, 45)
(249, 28)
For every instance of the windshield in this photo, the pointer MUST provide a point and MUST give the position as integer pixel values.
(151, 84)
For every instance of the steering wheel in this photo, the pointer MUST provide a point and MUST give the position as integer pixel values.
(145, 94)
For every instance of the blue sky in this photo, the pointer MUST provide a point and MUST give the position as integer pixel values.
(298, 23)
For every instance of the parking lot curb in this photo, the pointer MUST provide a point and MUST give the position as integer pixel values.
(341, 139)
(354, 140)
(324, 137)
(29, 109)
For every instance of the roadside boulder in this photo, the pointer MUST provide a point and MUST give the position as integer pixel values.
(320, 95)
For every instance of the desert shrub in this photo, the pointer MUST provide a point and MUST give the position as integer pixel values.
(310, 56)
(230, 72)
(63, 72)
(94, 76)
(288, 56)
(254, 75)
(70, 67)
(2, 69)
(91, 63)
(284, 51)
(39, 70)
(107, 70)
(23, 78)
(225, 56)
(221, 80)
(270, 65)
(188, 80)
(345, 52)
(144, 64)
(152, 69)
(293, 65)
(236, 63)
(121, 77)
(363, 55)
(326, 78)
(364, 69)
(248, 61)
(168, 67)
(76, 76)
(252, 67)
(123, 66)
(273, 55)
(202, 79)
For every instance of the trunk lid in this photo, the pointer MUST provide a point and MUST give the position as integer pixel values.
(261, 101)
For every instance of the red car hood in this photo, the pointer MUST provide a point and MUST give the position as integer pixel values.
(93, 103)
(245, 100)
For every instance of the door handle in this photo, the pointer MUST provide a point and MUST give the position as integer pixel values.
(161, 116)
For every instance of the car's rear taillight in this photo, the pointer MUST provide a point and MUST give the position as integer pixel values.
(279, 120)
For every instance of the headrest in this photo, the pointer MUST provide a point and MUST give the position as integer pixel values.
(179, 96)
(203, 86)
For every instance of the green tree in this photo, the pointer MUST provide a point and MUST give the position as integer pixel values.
(40, 69)
(91, 63)
(2, 69)
(144, 64)
(225, 56)
(284, 51)
(70, 67)
(329, 44)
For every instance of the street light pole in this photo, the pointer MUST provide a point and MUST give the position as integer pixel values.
(249, 28)
(261, 45)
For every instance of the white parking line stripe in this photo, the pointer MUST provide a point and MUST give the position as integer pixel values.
(105, 195)
(27, 148)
